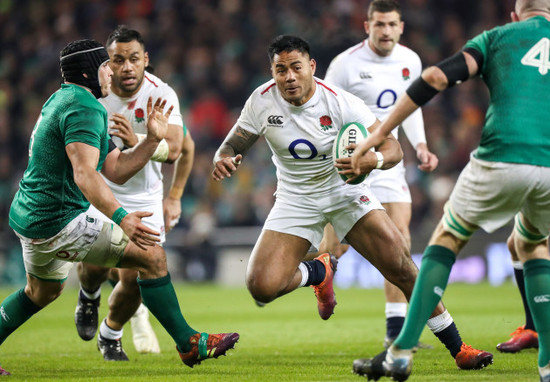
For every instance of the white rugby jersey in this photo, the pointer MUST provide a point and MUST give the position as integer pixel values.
(147, 183)
(301, 137)
(378, 81)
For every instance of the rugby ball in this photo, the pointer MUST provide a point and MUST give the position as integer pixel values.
(353, 132)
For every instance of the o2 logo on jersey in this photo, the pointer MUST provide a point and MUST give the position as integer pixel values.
(293, 145)
(386, 99)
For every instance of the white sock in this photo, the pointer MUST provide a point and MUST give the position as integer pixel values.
(441, 322)
(108, 333)
(91, 296)
(305, 274)
(396, 309)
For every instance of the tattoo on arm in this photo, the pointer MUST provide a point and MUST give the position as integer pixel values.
(237, 142)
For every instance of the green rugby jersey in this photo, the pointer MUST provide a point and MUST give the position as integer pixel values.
(516, 68)
(48, 198)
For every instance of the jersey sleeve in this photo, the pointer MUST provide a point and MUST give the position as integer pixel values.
(336, 73)
(481, 44)
(413, 126)
(85, 125)
(172, 100)
(248, 119)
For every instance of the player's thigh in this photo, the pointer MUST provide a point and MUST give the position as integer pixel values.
(298, 215)
(276, 255)
(400, 214)
(377, 239)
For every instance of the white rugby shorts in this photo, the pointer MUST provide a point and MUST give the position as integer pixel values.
(85, 239)
(390, 186)
(306, 215)
(490, 194)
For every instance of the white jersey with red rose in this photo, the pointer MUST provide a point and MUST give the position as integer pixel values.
(144, 191)
(301, 137)
(146, 185)
(379, 81)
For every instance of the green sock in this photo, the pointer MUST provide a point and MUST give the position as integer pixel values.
(14, 311)
(160, 297)
(536, 274)
(428, 290)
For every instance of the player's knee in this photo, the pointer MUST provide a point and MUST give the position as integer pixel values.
(91, 275)
(43, 293)
(155, 260)
(261, 289)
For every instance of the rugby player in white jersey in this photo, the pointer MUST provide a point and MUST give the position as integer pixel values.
(300, 116)
(131, 87)
(378, 70)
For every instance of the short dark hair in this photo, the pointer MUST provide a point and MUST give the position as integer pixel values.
(124, 34)
(287, 43)
(383, 6)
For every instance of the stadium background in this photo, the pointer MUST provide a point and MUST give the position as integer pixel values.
(213, 53)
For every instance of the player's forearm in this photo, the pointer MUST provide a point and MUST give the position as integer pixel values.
(129, 162)
(238, 141)
(182, 169)
(175, 140)
(96, 190)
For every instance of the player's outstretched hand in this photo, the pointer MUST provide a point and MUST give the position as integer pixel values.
(226, 166)
(123, 129)
(138, 232)
(157, 122)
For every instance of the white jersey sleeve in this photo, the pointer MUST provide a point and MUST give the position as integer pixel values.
(172, 100)
(248, 119)
(336, 72)
(413, 126)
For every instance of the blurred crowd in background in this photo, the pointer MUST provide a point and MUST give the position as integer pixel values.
(214, 54)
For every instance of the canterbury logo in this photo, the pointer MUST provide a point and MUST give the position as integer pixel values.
(4, 315)
(275, 120)
(542, 298)
(438, 291)
(365, 75)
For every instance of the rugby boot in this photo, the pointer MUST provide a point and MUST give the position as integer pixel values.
(472, 359)
(111, 349)
(521, 339)
(86, 317)
(326, 300)
(204, 346)
(143, 335)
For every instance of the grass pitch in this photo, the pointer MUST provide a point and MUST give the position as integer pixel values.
(284, 341)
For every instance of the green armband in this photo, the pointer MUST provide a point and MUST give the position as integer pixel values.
(119, 214)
